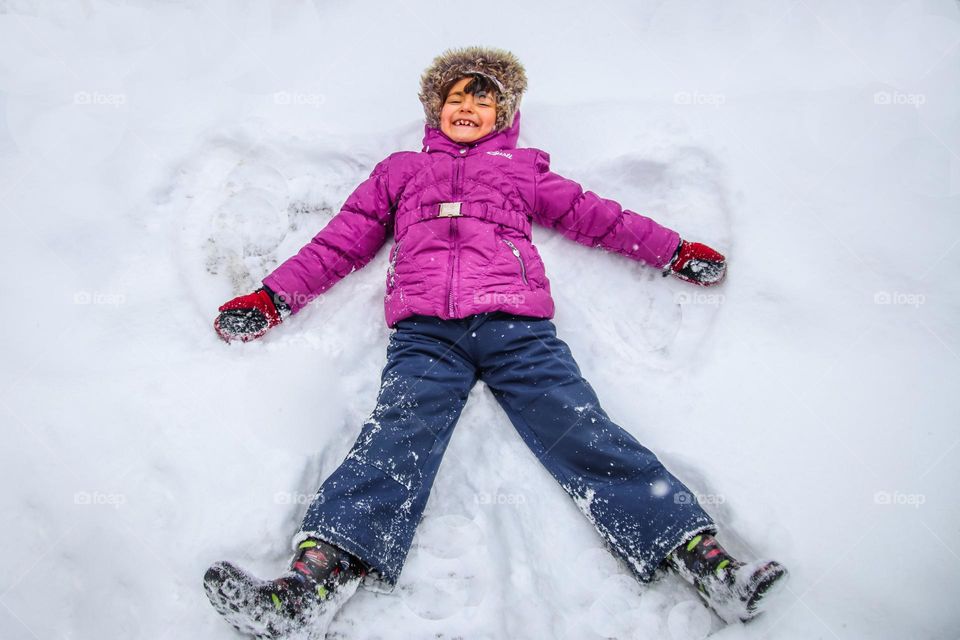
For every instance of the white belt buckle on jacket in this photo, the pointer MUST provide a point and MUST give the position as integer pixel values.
(449, 210)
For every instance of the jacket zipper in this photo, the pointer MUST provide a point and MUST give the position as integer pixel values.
(451, 304)
(516, 252)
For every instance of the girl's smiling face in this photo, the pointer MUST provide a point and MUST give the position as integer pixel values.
(467, 117)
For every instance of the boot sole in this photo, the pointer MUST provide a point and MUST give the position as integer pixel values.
(773, 580)
(223, 583)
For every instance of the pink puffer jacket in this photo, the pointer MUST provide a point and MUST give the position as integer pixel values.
(461, 215)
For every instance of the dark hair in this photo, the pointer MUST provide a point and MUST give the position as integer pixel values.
(478, 84)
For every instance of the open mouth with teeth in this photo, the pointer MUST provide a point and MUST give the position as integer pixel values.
(464, 123)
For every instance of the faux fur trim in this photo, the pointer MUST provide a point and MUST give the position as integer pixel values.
(499, 64)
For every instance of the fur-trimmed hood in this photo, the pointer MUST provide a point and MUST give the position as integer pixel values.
(500, 65)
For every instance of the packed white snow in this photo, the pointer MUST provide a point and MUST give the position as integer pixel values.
(158, 158)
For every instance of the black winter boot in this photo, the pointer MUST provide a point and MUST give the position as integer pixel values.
(731, 588)
(300, 603)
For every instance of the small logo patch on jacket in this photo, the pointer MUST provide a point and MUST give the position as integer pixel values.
(500, 153)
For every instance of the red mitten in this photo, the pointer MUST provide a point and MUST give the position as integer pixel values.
(248, 317)
(697, 263)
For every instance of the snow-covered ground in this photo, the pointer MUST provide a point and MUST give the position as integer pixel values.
(157, 158)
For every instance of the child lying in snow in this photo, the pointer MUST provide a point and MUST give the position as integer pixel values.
(468, 299)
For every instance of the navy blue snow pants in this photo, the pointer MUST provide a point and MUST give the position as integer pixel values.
(371, 504)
